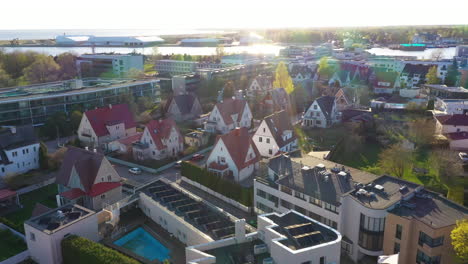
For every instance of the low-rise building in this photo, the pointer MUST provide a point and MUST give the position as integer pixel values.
(184, 83)
(87, 178)
(414, 75)
(184, 107)
(19, 150)
(44, 233)
(196, 138)
(260, 85)
(229, 114)
(341, 100)
(161, 139)
(276, 100)
(176, 67)
(234, 155)
(451, 123)
(95, 65)
(323, 112)
(451, 106)
(290, 237)
(100, 126)
(275, 134)
(444, 92)
(386, 82)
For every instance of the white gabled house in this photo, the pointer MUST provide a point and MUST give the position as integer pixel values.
(322, 113)
(260, 85)
(275, 134)
(161, 139)
(234, 155)
(341, 100)
(229, 114)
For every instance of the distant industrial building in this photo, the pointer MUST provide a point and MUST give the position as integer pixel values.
(95, 65)
(110, 41)
(204, 42)
(35, 103)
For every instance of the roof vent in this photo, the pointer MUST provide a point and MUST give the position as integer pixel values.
(379, 187)
(305, 168)
(342, 174)
(86, 148)
(320, 166)
(403, 188)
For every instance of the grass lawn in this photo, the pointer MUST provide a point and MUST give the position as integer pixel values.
(324, 138)
(10, 244)
(44, 195)
(367, 156)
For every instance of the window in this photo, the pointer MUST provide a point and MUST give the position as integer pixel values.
(371, 233)
(103, 196)
(109, 178)
(431, 242)
(315, 201)
(346, 247)
(286, 190)
(318, 122)
(285, 204)
(300, 209)
(34, 149)
(315, 107)
(264, 208)
(261, 193)
(322, 260)
(263, 130)
(307, 262)
(396, 248)
(268, 140)
(270, 151)
(331, 208)
(421, 257)
(259, 139)
(32, 236)
(3, 169)
(299, 195)
(399, 229)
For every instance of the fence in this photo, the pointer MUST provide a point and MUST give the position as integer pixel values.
(217, 195)
(36, 186)
(20, 256)
(162, 168)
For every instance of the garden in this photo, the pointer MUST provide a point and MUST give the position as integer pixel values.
(10, 244)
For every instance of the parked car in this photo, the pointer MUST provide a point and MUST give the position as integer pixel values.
(178, 164)
(135, 171)
(198, 157)
(463, 156)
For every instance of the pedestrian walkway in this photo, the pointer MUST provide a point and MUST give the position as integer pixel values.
(218, 202)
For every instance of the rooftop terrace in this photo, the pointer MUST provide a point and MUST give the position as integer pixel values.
(301, 232)
(58, 218)
(203, 217)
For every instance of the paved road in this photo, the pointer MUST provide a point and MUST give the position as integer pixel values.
(52, 145)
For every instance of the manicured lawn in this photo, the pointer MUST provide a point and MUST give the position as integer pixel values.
(10, 244)
(324, 138)
(44, 195)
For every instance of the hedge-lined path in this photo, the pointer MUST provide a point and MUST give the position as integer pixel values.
(218, 202)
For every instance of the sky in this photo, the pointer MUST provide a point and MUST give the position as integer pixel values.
(202, 14)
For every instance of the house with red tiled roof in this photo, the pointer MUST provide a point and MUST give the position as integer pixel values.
(229, 114)
(88, 179)
(451, 123)
(275, 134)
(161, 139)
(234, 155)
(100, 126)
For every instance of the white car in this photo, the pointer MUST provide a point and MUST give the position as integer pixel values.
(135, 171)
(463, 156)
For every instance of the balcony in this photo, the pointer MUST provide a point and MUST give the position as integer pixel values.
(140, 145)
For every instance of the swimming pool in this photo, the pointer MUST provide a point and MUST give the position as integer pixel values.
(142, 243)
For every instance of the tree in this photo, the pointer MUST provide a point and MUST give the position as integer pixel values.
(67, 63)
(283, 79)
(43, 158)
(395, 160)
(75, 119)
(134, 73)
(421, 131)
(324, 69)
(431, 76)
(437, 54)
(220, 51)
(459, 237)
(452, 74)
(5, 78)
(44, 69)
(446, 164)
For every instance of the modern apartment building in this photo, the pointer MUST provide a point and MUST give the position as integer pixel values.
(95, 65)
(35, 103)
(354, 202)
(45, 232)
(419, 229)
(175, 67)
(290, 237)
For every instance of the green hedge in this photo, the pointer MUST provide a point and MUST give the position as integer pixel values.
(79, 250)
(225, 187)
(16, 226)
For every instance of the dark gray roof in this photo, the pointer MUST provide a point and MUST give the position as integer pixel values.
(23, 136)
(278, 123)
(185, 103)
(326, 105)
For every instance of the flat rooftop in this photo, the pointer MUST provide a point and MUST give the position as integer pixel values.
(447, 88)
(431, 209)
(383, 192)
(195, 212)
(64, 88)
(239, 253)
(300, 232)
(56, 219)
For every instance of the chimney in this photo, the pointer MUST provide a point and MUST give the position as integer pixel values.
(86, 148)
(110, 106)
(240, 230)
(13, 129)
(94, 150)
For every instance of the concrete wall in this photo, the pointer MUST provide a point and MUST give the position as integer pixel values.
(47, 249)
(174, 224)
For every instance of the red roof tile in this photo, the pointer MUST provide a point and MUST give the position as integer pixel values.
(103, 187)
(72, 193)
(6, 193)
(454, 120)
(238, 142)
(100, 117)
(161, 129)
(131, 139)
(217, 166)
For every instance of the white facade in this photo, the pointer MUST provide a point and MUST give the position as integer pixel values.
(45, 246)
(266, 143)
(315, 117)
(451, 106)
(216, 122)
(173, 145)
(24, 159)
(118, 64)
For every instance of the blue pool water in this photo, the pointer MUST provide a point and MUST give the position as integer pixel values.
(143, 244)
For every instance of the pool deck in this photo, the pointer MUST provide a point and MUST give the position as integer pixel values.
(134, 219)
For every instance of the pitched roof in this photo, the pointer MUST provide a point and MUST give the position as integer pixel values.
(454, 120)
(160, 130)
(229, 107)
(101, 117)
(184, 102)
(278, 123)
(131, 139)
(389, 77)
(304, 70)
(6, 193)
(412, 69)
(86, 163)
(326, 104)
(238, 142)
(23, 136)
(265, 82)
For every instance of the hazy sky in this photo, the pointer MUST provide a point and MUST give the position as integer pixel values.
(168, 14)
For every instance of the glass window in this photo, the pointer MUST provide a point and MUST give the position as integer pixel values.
(286, 190)
(285, 204)
(259, 139)
(431, 242)
(399, 229)
(396, 248)
(261, 193)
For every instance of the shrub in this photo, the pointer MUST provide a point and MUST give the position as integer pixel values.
(78, 250)
(225, 187)
(16, 226)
